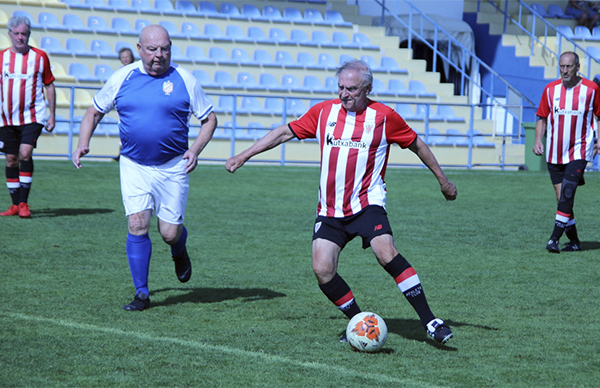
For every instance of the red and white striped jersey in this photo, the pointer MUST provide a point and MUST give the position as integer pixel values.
(570, 113)
(22, 80)
(354, 153)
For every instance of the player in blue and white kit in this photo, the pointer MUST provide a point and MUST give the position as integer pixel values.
(155, 100)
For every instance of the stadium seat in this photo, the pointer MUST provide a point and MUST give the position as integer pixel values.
(372, 62)
(557, 12)
(49, 21)
(331, 84)
(74, 23)
(102, 71)
(81, 72)
(75, 46)
(596, 33)
(241, 56)
(101, 48)
(209, 9)
(251, 12)
(284, 58)
(226, 104)
(583, 33)
(344, 58)
(263, 58)
(250, 105)
(455, 137)
(313, 84)
(423, 111)
(257, 35)
(277, 35)
(97, 24)
(295, 107)
(224, 79)
(268, 81)
(479, 140)
(565, 31)
(446, 113)
(341, 40)
(362, 40)
(313, 16)
(62, 126)
(419, 89)
(399, 88)
(171, 29)
(300, 37)
(122, 26)
(390, 65)
(306, 60)
(274, 106)
(140, 24)
(214, 33)
(327, 61)
(218, 55)
(434, 137)
(204, 78)
(119, 4)
(291, 83)
(247, 81)
(185, 7)
(236, 33)
(322, 39)
(177, 54)
(196, 54)
(51, 45)
(271, 13)
(74, 4)
(405, 111)
(231, 11)
(192, 31)
(142, 6)
(540, 9)
(165, 7)
(336, 18)
(380, 88)
(293, 15)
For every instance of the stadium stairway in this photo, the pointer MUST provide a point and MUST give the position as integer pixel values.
(452, 151)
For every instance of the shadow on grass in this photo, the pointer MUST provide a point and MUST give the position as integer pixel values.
(590, 245)
(215, 295)
(67, 212)
(413, 330)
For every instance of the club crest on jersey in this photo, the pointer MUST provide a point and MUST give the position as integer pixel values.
(369, 128)
(168, 87)
(317, 226)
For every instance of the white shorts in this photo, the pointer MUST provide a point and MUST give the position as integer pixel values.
(163, 189)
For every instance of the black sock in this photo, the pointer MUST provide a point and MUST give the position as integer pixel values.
(559, 228)
(12, 182)
(338, 291)
(25, 175)
(571, 232)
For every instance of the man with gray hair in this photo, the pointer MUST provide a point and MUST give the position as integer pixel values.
(25, 74)
(355, 134)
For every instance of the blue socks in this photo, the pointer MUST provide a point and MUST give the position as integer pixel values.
(179, 246)
(139, 250)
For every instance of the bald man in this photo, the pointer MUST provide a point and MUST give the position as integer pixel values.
(154, 99)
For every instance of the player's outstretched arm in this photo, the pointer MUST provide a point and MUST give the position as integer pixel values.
(272, 139)
(424, 153)
(89, 122)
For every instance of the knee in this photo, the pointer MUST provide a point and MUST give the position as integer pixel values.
(568, 191)
(323, 271)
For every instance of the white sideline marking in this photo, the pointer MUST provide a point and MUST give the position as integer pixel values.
(219, 348)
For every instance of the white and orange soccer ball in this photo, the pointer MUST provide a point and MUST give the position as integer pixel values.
(366, 332)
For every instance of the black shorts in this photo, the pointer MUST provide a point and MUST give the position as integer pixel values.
(14, 136)
(572, 171)
(369, 223)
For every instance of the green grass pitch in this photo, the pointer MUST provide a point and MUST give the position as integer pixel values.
(253, 316)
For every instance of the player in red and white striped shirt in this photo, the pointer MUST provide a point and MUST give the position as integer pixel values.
(355, 135)
(568, 113)
(25, 74)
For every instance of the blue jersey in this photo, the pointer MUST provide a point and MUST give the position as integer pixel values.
(154, 112)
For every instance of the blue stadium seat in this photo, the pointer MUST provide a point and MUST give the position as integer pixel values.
(241, 56)
(119, 4)
(277, 35)
(295, 107)
(97, 4)
(372, 62)
(102, 71)
(74, 23)
(142, 6)
(185, 7)
(434, 137)
(291, 82)
(344, 58)
(214, 33)
(331, 84)
(177, 54)
(327, 61)
(49, 21)
(540, 9)
(271, 13)
(419, 89)
(300, 37)
(293, 15)
(226, 104)
(313, 84)
(336, 18)
(306, 60)
(268, 81)
(251, 12)
(322, 39)
(197, 54)
(557, 12)
(405, 111)
(390, 65)
(313, 16)
(565, 31)
(273, 106)
(139, 24)
(341, 40)
(399, 88)
(101, 48)
(165, 7)
(62, 125)
(224, 79)
(171, 29)
(423, 111)
(235, 33)
(250, 105)
(361, 40)
(284, 58)
(204, 78)
(263, 58)
(582, 32)
(75, 46)
(378, 87)
(209, 9)
(192, 31)
(122, 26)
(446, 113)
(74, 3)
(98, 25)
(231, 11)
(218, 55)
(80, 72)
(479, 140)
(257, 35)
(51, 45)
(455, 137)
(247, 81)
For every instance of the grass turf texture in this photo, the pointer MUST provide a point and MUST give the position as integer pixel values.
(253, 315)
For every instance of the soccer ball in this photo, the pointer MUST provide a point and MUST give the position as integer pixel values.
(366, 332)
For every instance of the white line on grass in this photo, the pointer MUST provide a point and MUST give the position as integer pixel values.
(222, 349)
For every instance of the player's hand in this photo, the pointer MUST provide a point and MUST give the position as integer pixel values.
(234, 163)
(449, 191)
(538, 148)
(192, 161)
(77, 154)
(50, 124)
